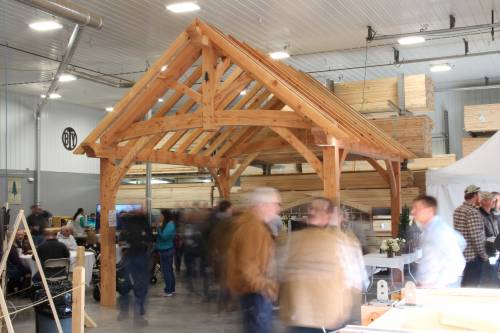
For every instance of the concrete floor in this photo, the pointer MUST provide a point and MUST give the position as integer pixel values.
(185, 312)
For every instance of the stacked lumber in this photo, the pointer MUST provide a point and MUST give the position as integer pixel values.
(434, 162)
(309, 182)
(167, 195)
(413, 132)
(373, 95)
(140, 169)
(482, 118)
(471, 144)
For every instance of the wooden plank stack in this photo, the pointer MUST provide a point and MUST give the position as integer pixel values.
(471, 144)
(140, 169)
(372, 96)
(413, 132)
(482, 118)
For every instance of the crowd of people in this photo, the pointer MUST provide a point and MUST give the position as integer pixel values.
(313, 275)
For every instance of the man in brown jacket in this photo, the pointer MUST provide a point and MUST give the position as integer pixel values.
(248, 261)
(322, 274)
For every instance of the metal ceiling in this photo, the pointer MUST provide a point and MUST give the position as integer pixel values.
(323, 36)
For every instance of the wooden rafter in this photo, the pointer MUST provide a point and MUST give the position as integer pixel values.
(217, 142)
(183, 89)
(189, 140)
(260, 118)
(162, 157)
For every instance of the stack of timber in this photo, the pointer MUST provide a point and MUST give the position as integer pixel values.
(413, 132)
(140, 169)
(482, 118)
(419, 94)
(471, 144)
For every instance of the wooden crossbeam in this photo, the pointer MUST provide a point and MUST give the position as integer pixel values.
(161, 125)
(260, 118)
(162, 157)
(301, 148)
(143, 103)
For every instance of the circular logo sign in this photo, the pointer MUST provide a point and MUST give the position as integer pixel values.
(69, 138)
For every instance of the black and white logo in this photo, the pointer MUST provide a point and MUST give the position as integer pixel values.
(69, 138)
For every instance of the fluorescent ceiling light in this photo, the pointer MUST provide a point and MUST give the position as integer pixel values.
(183, 7)
(243, 92)
(440, 68)
(51, 96)
(159, 181)
(410, 40)
(160, 100)
(45, 25)
(109, 108)
(164, 68)
(279, 55)
(67, 78)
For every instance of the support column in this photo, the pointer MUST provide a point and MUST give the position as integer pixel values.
(394, 171)
(331, 174)
(108, 242)
(224, 181)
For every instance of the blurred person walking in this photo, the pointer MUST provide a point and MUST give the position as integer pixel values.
(492, 230)
(468, 221)
(442, 261)
(323, 272)
(220, 235)
(136, 240)
(165, 247)
(38, 220)
(249, 258)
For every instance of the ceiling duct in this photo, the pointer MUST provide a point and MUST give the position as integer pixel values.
(108, 80)
(68, 10)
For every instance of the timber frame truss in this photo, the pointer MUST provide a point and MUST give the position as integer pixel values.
(225, 106)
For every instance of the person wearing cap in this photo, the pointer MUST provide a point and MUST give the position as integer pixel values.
(249, 257)
(468, 221)
(491, 229)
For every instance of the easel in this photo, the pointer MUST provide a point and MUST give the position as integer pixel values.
(3, 304)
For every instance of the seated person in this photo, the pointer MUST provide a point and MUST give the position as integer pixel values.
(65, 237)
(51, 249)
(21, 243)
(17, 273)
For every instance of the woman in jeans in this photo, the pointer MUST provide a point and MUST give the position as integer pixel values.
(165, 246)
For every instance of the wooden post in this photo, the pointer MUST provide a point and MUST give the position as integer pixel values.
(108, 243)
(77, 322)
(209, 84)
(394, 172)
(224, 183)
(331, 174)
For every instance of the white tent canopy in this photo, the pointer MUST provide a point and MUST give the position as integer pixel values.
(481, 168)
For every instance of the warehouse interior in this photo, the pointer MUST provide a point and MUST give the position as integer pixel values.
(81, 82)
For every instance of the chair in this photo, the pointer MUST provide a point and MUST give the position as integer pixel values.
(56, 269)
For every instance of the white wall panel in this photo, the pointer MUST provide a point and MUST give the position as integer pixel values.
(454, 102)
(17, 122)
(20, 128)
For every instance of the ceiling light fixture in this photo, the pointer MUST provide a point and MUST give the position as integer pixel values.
(410, 40)
(54, 96)
(183, 7)
(243, 92)
(160, 100)
(43, 96)
(45, 25)
(67, 78)
(109, 109)
(440, 68)
(164, 68)
(278, 55)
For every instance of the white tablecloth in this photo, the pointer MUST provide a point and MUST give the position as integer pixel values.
(89, 264)
(380, 260)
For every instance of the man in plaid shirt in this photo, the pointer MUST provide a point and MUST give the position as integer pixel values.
(468, 221)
